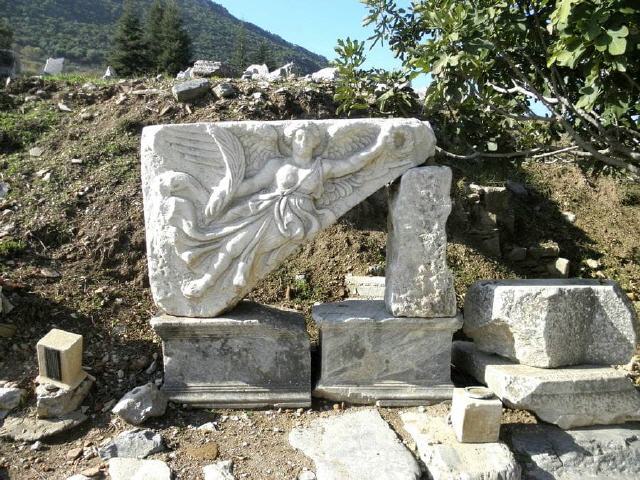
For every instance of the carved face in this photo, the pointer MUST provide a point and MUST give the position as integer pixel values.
(303, 142)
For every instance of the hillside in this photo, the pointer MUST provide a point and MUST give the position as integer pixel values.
(80, 30)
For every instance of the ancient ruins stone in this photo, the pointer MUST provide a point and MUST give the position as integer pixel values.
(283, 72)
(447, 459)
(109, 73)
(611, 453)
(360, 361)
(133, 469)
(60, 359)
(568, 397)
(252, 356)
(141, 403)
(225, 90)
(10, 398)
(476, 414)
(55, 401)
(226, 203)
(418, 282)
(208, 69)
(133, 444)
(222, 470)
(54, 66)
(552, 323)
(328, 74)
(361, 287)
(256, 72)
(30, 429)
(357, 445)
(190, 90)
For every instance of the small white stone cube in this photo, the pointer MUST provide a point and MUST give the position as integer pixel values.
(475, 415)
(60, 359)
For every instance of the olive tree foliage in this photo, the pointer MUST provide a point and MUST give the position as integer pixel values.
(524, 78)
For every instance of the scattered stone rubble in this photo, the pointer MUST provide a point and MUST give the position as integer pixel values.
(208, 69)
(140, 404)
(133, 444)
(190, 90)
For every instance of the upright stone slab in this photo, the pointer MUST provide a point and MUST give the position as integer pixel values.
(356, 445)
(254, 356)
(368, 357)
(568, 397)
(552, 323)
(448, 459)
(225, 203)
(418, 282)
(363, 287)
(54, 66)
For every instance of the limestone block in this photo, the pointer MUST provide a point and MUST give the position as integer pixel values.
(141, 403)
(54, 66)
(357, 445)
(256, 72)
(360, 359)
(132, 444)
(568, 397)
(109, 73)
(418, 283)
(476, 414)
(207, 69)
(364, 287)
(253, 356)
(55, 401)
(225, 203)
(60, 359)
(547, 452)
(190, 90)
(134, 469)
(448, 459)
(31, 429)
(328, 74)
(552, 323)
(221, 470)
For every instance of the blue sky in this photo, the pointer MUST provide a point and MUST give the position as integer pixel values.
(313, 24)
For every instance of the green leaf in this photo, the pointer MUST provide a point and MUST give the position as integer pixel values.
(618, 46)
(602, 42)
(621, 32)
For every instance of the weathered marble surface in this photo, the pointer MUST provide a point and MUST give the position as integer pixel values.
(226, 203)
(356, 445)
(365, 287)
(448, 459)
(476, 414)
(552, 323)
(368, 356)
(418, 282)
(547, 452)
(53, 66)
(253, 356)
(568, 397)
(30, 429)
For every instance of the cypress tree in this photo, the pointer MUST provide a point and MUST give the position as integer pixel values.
(263, 56)
(154, 34)
(240, 54)
(6, 35)
(128, 53)
(176, 44)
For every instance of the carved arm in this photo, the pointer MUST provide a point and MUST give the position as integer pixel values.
(336, 169)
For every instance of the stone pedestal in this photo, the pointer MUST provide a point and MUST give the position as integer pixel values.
(252, 356)
(368, 356)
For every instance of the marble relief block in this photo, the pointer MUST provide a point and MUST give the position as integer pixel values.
(225, 203)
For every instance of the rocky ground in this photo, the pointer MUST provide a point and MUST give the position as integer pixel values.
(72, 255)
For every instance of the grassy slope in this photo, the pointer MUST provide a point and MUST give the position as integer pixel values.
(68, 28)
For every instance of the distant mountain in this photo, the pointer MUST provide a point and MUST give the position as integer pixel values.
(80, 30)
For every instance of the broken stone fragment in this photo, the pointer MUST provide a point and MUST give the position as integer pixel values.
(225, 90)
(353, 446)
(11, 397)
(447, 459)
(190, 90)
(552, 323)
(30, 429)
(131, 468)
(140, 404)
(222, 470)
(418, 281)
(55, 401)
(476, 414)
(132, 444)
(568, 397)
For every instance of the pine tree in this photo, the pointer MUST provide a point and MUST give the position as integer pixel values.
(128, 53)
(154, 33)
(263, 56)
(6, 35)
(176, 44)
(239, 60)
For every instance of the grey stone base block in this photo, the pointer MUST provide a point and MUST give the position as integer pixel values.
(368, 356)
(447, 459)
(547, 452)
(253, 356)
(568, 397)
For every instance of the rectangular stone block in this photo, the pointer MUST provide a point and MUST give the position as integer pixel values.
(364, 287)
(476, 414)
(568, 397)
(418, 282)
(253, 356)
(552, 323)
(368, 357)
(60, 359)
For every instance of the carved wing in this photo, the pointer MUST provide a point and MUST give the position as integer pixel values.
(234, 161)
(260, 143)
